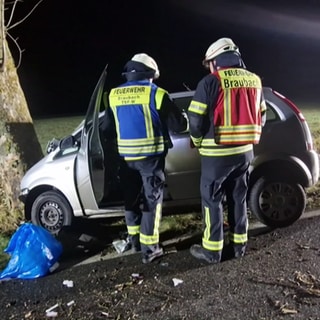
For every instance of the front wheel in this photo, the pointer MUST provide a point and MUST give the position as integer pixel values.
(277, 203)
(51, 211)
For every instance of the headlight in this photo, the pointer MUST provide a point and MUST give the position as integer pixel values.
(23, 194)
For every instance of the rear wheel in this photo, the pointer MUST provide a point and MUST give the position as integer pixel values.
(51, 211)
(277, 203)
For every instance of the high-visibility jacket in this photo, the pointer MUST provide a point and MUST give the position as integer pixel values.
(135, 107)
(226, 112)
(237, 115)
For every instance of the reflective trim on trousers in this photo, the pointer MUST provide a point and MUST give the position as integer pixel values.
(212, 245)
(238, 238)
(133, 230)
(154, 238)
(206, 242)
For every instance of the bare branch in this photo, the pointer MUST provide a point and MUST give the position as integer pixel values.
(22, 20)
(15, 41)
(2, 37)
(12, 12)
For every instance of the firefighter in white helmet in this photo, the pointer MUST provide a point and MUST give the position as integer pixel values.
(142, 113)
(226, 116)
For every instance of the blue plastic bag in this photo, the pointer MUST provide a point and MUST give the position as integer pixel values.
(33, 251)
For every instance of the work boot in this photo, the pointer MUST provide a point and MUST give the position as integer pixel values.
(152, 253)
(135, 242)
(239, 250)
(201, 253)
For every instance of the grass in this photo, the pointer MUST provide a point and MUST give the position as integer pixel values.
(47, 129)
(3, 256)
(312, 115)
(59, 127)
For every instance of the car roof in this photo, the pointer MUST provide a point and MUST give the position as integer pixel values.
(189, 93)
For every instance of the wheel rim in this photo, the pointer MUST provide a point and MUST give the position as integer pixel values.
(51, 216)
(279, 201)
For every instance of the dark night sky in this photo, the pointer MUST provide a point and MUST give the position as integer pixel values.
(66, 45)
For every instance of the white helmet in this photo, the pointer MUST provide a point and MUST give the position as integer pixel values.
(220, 46)
(147, 61)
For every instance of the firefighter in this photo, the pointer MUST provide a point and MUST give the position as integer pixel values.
(226, 116)
(142, 114)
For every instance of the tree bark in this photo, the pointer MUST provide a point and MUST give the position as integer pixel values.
(19, 145)
(2, 35)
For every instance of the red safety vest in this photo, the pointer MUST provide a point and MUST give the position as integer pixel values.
(237, 116)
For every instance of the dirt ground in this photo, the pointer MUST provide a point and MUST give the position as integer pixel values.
(279, 278)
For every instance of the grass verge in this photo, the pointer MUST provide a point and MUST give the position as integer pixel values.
(4, 258)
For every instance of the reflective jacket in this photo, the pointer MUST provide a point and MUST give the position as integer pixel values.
(140, 111)
(226, 113)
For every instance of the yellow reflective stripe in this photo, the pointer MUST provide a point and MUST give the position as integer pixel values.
(206, 233)
(242, 134)
(154, 238)
(258, 101)
(198, 107)
(208, 143)
(157, 218)
(227, 108)
(134, 158)
(238, 128)
(141, 149)
(158, 97)
(149, 240)
(196, 141)
(148, 120)
(238, 238)
(212, 245)
(239, 139)
(211, 144)
(133, 230)
(206, 242)
(225, 151)
(114, 111)
(140, 142)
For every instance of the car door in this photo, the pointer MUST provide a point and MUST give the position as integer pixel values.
(90, 169)
(182, 161)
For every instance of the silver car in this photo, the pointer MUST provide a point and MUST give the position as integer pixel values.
(79, 178)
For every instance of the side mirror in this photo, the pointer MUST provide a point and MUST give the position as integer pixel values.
(52, 145)
(68, 142)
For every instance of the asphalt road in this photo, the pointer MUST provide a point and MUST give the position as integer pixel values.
(182, 241)
(279, 278)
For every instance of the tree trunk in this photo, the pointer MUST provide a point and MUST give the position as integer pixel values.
(19, 145)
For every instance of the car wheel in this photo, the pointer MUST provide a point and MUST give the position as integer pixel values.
(277, 203)
(51, 211)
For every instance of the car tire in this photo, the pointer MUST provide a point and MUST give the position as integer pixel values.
(277, 203)
(51, 211)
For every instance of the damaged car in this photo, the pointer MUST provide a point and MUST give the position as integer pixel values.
(78, 177)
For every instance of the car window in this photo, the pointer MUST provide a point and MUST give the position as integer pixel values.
(272, 114)
(182, 103)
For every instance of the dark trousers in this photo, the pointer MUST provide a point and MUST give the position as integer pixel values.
(143, 183)
(219, 179)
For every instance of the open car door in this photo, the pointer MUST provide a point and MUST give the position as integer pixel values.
(90, 168)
